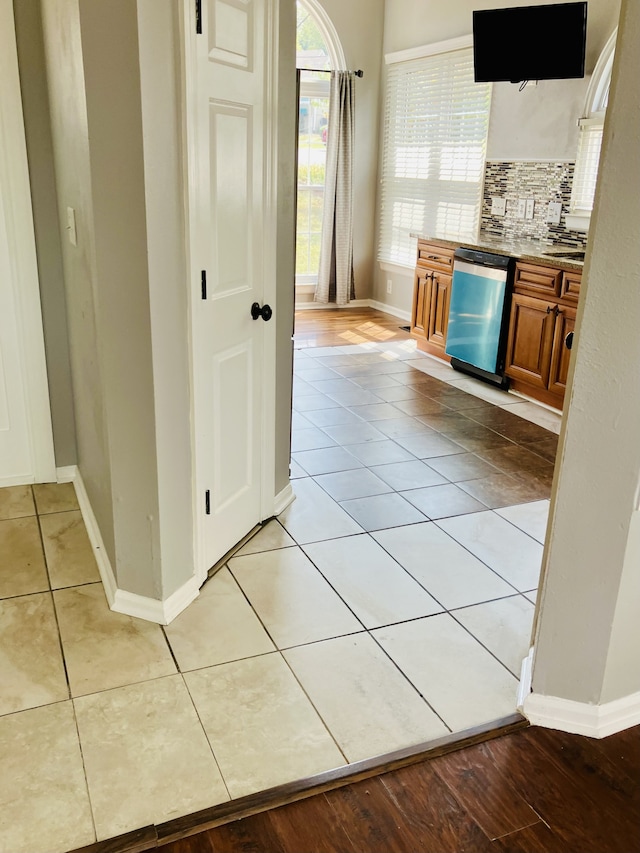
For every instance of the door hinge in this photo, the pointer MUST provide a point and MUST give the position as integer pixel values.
(203, 281)
(199, 17)
(207, 502)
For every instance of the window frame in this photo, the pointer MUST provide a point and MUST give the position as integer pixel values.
(591, 128)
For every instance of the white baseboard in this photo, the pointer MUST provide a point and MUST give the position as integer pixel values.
(596, 721)
(390, 309)
(121, 601)
(307, 306)
(283, 499)
(524, 687)
(67, 474)
(72, 474)
(153, 610)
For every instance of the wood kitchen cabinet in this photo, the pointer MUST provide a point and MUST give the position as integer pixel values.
(543, 313)
(431, 294)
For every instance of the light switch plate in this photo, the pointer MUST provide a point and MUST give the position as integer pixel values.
(71, 226)
(554, 211)
(498, 206)
(529, 208)
(522, 208)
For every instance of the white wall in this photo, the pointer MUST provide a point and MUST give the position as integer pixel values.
(587, 647)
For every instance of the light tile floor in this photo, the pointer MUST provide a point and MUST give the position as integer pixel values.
(387, 606)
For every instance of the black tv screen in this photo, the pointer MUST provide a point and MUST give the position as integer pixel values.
(529, 43)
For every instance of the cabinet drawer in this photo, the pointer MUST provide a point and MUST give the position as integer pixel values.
(570, 287)
(435, 257)
(531, 278)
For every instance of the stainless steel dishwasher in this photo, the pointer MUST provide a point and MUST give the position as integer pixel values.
(479, 314)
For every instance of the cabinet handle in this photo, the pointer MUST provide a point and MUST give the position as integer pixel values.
(549, 309)
(432, 257)
(558, 310)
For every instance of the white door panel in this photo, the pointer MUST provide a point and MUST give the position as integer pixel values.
(26, 442)
(232, 376)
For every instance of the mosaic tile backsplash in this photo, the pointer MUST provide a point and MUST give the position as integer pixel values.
(543, 182)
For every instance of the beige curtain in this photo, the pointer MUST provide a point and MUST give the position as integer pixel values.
(335, 274)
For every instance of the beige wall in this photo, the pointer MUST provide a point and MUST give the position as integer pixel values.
(587, 646)
(285, 249)
(35, 106)
(116, 126)
(65, 75)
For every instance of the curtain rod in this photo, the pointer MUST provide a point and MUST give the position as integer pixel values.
(358, 73)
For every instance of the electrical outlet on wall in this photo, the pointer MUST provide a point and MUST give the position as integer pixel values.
(554, 211)
(529, 208)
(522, 208)
(389, 285)
(72, 232)
(498, 206)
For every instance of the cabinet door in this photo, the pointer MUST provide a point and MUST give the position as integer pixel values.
(565, 323)
(439, 309)
(421, 302)
(530, 340)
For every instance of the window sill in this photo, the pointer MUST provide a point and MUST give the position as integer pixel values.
(577, 221)
(399, 269)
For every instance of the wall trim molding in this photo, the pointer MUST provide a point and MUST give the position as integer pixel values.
(119, 600)
(459, 43)
(390, 309)
(355, 303)
(524, 686)
(154, 610)
(283, 499)
(71, 474)
(596, 721)
(358, 303)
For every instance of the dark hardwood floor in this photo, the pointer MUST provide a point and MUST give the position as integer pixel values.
(533, 791)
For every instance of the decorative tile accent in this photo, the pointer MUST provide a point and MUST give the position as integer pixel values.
(541, 181)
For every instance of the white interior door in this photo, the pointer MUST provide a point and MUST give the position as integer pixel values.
(233, 375)
(26, 443)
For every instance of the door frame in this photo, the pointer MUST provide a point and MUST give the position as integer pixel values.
(193, 239)
(14, 175)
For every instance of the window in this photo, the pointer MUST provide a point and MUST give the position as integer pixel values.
(434, 143)
(590, 141)
(317, 51)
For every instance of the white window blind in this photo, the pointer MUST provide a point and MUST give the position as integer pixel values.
(434, 145)
(586, 169)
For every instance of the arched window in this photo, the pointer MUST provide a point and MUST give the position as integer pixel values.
(590, 140)
(318, 51)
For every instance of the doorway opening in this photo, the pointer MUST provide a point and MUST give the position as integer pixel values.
(318, 52)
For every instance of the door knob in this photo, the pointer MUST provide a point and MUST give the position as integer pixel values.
(265, 312)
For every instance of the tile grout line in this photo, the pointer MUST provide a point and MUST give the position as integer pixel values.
(54, 607)
(195, 708)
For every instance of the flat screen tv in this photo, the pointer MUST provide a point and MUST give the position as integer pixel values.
(529, 43)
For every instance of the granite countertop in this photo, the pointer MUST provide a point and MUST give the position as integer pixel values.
(555, 255)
